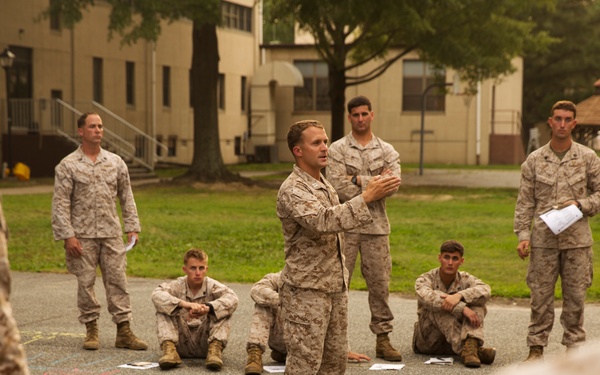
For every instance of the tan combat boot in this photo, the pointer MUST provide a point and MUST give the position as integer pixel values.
(213, 359)
(254, 363)
(469, 353)
(385, 350)
(535, 352)
(126, 339)
(170, 356)
(91, 338)
(486, 355)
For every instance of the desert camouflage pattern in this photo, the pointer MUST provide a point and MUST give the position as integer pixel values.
(376, 268)
(347, 157)
(192, 336)
(12, 354)
(110, 255)
(84, 200)
(315, 326)
(314, 296)
(312, 221)
(267, 325)
(438, 331)
(547, 181)
(575, 267)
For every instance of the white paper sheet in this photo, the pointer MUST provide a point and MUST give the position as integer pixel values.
(440, 361)
(386, 366)
(140, 365)
(274, 369)
(131, 243)
(559, 220)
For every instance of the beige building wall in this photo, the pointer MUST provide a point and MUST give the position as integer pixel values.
(63, 60)
(454, 136)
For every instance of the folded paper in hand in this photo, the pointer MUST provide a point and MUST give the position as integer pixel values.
(559, 220)
(131, 243)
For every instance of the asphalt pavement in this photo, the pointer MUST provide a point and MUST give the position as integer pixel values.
(45, 309)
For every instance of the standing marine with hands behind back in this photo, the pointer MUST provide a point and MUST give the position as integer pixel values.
(561, 173)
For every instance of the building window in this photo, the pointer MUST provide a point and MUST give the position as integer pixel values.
(221, 91)
(235, 16)
(54, 18)
(243, 85)
(314, 96)
(166, 86)
(191, 88)
(98, 93)
(172, 145)
(417, 75)
(130, 82)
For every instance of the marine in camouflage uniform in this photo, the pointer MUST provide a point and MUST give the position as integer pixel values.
(84, 215)
(193, 334)
(560, 173)
(353, 161)
(451, 309)
(266, 325)
(314, 295)
(12, 355)
(438, 331)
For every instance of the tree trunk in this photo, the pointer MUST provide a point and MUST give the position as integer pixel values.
(337, 94)
(207, 162)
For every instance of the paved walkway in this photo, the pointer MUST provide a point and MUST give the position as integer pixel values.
(430, 177)
(45, 309)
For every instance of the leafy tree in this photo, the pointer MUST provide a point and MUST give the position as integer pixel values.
(477, 38)
(568, 69)
(133, 20)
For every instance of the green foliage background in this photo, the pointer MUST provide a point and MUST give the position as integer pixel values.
(239, 229)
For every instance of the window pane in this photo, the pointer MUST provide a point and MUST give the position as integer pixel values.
(166, 89)
(303, 96)
(417, 77)
(323, 100)
(130, 82)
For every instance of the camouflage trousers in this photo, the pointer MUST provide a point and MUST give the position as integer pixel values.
(315, 328)
(192, 338)
(575, 267)
(440, 332)
(376, 267)
(12, 355)
(109, 254)
(267, 327)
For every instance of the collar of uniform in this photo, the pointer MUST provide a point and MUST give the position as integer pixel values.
(310, 180)
(572, 153)
(373, 143)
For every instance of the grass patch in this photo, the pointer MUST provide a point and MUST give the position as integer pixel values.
(239, 229)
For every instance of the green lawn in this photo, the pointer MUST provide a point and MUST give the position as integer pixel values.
(240, 231)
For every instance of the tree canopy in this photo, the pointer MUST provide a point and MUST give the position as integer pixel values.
(477, 38)
(142, 20)
(569, 67)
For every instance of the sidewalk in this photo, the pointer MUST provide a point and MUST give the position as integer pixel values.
(45, 308)
(431, 177)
